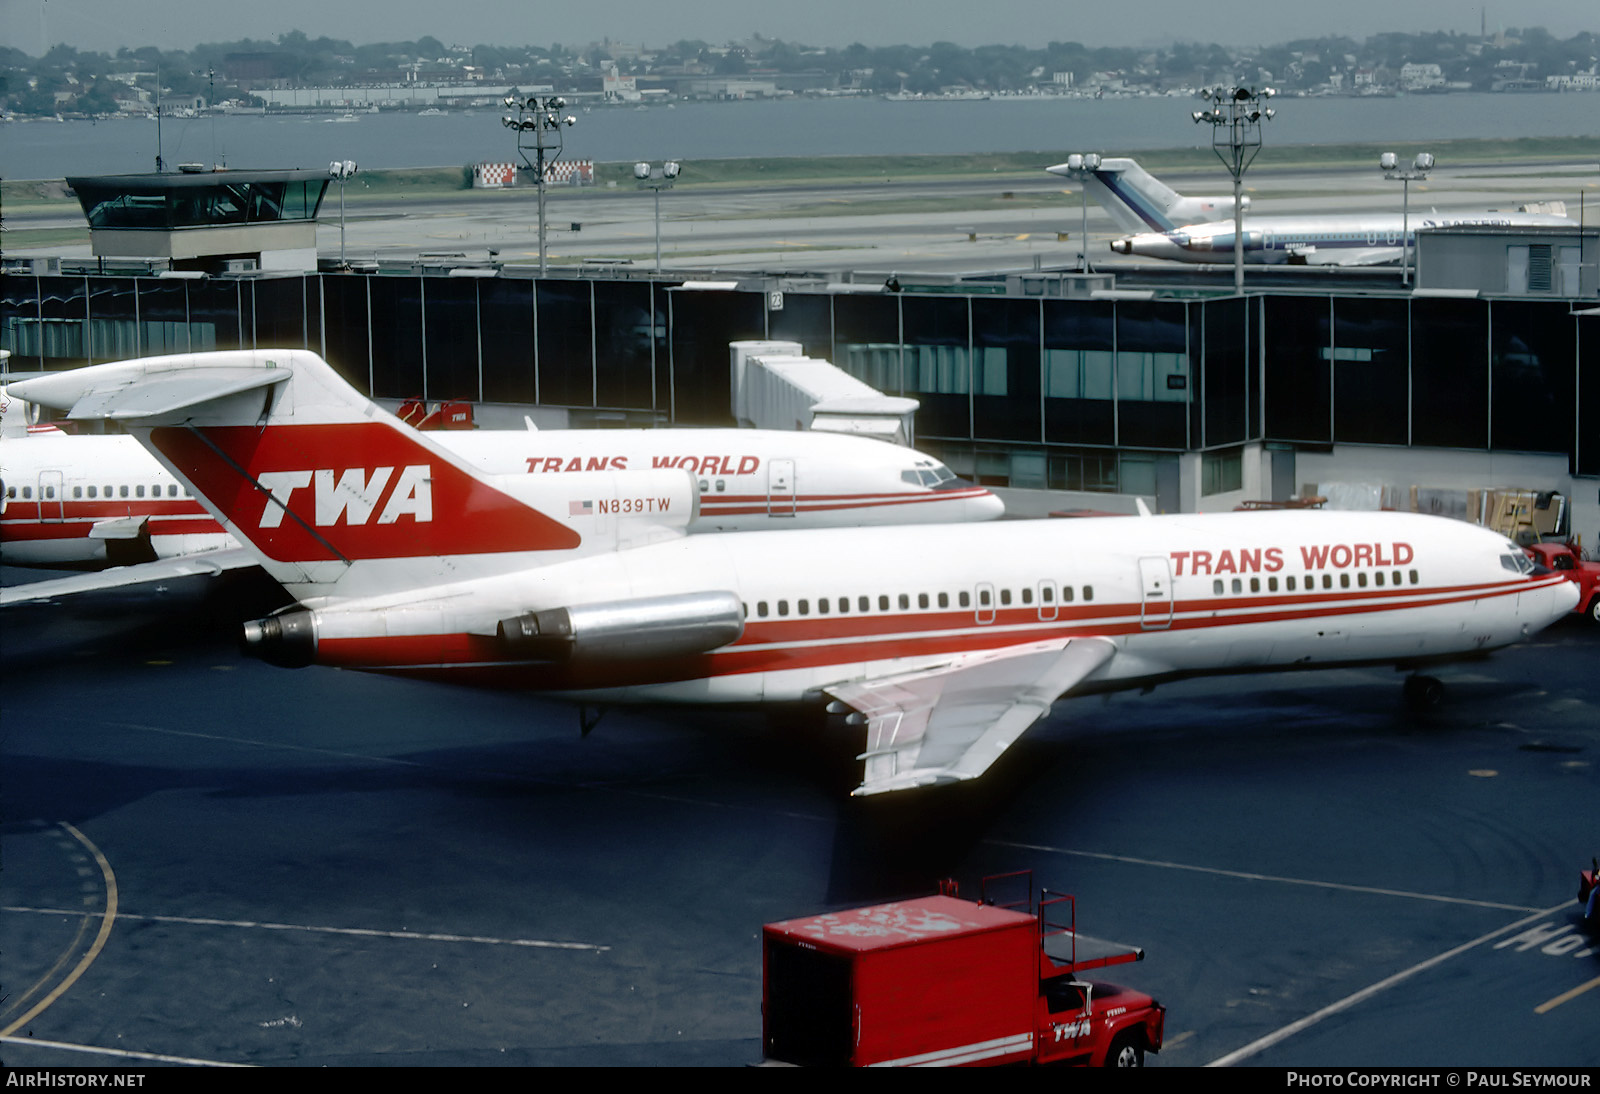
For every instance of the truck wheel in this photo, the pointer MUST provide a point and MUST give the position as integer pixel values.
(1594, 610)
(1126, 1051)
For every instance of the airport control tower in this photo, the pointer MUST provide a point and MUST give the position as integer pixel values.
(206, 220)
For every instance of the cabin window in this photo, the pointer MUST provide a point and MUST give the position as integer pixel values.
(1088, 592)
(1327, 581)
(1216, 586)
(1047, 593)
(1378, 577)
(122, 491)
(983, 598)
(172, 491)
(1413, 574)
(804, 607)
(944, 600)
(93, 491)
(1288, 583)
(138, 491)
(27, 491)
(883, 603)
(761, 608)
(1005, 596)
(1396, 577)
(922, 600)
(844, 605)
(49, 492)
(1066, 594)
(1027, 596)
(11, 491)
(1255, 584)
(77, 491)
(864, 604)
(905, 602)
(964, 599)
(1272, 584)
(721, 485)
(1238, 586)
(1344, 581)
(783, 607)
(1361, 579)
(822, 605)
(108, 490)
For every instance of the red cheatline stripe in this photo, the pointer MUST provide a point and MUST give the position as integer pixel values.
(806, 645)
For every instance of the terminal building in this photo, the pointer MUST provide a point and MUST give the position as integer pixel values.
(1062, 389)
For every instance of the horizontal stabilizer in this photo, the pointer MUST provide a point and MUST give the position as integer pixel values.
(144, 389)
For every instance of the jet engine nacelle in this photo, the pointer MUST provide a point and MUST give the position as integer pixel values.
(626, 630)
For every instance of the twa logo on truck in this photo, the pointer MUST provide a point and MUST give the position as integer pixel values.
(353, 495)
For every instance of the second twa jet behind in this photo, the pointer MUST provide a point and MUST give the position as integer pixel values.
(1164, 224)
(946, 641)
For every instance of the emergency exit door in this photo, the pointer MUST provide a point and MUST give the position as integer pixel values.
(780, 488)
(1155, 596)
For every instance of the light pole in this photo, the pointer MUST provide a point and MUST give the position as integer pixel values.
(342, 171)
(1235, 115)
(1418, 170)
(650, 179)
(1080, 167)
(540, 117)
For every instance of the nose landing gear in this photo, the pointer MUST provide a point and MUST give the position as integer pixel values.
(1423, 693)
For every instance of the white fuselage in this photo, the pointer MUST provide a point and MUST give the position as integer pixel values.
(73, 500)
(1358, 239)
(1179, 595)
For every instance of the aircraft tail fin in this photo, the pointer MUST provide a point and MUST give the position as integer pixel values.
(307, 471)
(1139, 202)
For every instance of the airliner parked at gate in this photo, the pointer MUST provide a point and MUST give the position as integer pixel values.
(947, 642)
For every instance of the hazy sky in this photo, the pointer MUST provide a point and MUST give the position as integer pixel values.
(105, 25)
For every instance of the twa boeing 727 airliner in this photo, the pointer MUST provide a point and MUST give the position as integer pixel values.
(103, 500)
(947, 642)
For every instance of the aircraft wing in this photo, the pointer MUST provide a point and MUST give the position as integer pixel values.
(950, 722)
(1364, 256)
(153, 578)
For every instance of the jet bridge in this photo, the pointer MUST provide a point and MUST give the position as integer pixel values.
(775, 386)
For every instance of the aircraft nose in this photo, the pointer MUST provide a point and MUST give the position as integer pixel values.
(1122, 246)
(986, 507)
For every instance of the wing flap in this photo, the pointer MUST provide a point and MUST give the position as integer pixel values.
(951, 722)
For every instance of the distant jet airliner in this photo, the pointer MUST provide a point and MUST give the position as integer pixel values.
(1164, 224)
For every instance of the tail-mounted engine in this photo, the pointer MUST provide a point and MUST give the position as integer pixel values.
(625, 630)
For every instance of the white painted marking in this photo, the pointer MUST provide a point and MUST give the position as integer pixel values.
(1349, 1001)
(1247, 876)
(122, 1053)
(361, 932)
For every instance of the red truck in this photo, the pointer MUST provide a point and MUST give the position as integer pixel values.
(1566, 559)
(943, 981)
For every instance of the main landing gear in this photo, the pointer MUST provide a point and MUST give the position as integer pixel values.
(1423, 693)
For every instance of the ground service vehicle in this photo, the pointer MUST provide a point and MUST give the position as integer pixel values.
(941, 981)
(1567, 560)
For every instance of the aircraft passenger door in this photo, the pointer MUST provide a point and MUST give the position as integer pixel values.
(1155, 595)
(983, 602)
(780, 488)
(52, 496)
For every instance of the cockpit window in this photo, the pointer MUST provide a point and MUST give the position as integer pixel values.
(1517, 562)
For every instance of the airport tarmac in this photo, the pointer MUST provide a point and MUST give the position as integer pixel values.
(208, 860)
(870, 228)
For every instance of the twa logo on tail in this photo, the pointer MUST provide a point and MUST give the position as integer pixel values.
(352, 495)
(290, 491)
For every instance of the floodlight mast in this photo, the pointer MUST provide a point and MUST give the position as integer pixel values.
(1235, 115)
(342, 171)
(1080, 167)
(1390, 163)
(651, 178)
(540, 116)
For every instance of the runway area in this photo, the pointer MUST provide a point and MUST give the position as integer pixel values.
(208, 860)
(867, 228)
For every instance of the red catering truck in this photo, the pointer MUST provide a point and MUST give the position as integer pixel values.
(941, 981)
